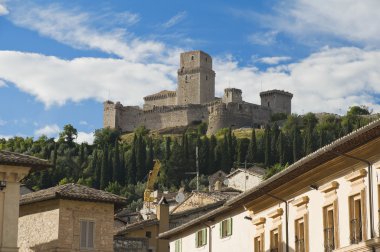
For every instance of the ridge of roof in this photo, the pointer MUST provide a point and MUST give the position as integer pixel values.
(72, 191)
(18, 159)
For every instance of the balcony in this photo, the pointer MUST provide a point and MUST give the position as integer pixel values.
(300, 244)
(329, 239)
(356, 231)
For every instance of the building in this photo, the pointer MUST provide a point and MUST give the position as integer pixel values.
(244, 179)
(67, 217)
(13, 168)
(194, 101)
(327, 201)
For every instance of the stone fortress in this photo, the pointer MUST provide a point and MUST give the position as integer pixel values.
(194, 101)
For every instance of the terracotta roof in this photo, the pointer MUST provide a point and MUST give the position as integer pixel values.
(17, 159)
(137, 225)
(322, 155)
(74, 192)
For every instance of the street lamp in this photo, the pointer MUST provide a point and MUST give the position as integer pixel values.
(3, 184)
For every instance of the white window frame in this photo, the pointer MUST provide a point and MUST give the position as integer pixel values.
(87, 246)
(225, 228)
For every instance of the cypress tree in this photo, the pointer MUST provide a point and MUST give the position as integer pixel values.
(252, 148)
(204, 154)
(225, 155)
(131, 173)
(167, 148)
(116, 174)
(95, 169)
(274, 137)
(267, 146)
(295, 144)
(150, 155)
(212, 153)
(104, 178)
(280, 149)
(140, 159)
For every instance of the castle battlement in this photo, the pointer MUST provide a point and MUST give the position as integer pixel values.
(194, 101)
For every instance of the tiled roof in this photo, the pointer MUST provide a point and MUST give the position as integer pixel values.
(137, 225)
(74, 192)
(17, 159)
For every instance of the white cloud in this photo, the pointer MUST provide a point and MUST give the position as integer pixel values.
(85, 137)
(263, 38)
(330, 80)
(352, 20)
(78, 30)
(175, 19)
(84, 78)
(273, 60)
(6, 137)
(51, 130)
(3, 122)
(83, 122)
(3, 9)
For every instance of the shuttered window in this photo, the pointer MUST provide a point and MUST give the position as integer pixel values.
(178, 245)
(87, 234)
(201, 238)
(225, 228)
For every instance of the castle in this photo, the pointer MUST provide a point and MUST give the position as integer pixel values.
(194, 101)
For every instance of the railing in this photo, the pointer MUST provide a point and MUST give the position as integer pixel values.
(356, 231)
(329, 239)
(300, 244)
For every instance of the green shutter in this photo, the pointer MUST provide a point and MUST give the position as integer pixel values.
(221, 229)
(204, 236)
(229, 226)
(196, 239)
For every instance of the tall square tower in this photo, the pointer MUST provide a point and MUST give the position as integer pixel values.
(196, 79)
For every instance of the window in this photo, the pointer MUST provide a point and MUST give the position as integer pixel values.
(300, 235)
(201, 238)
(259, 245)
(356, 231)
(178, 245)
(328, 224)
(87, 234)
(226, 228)
(274, 240)
(192, 57)
(148, 234)
(206, 77)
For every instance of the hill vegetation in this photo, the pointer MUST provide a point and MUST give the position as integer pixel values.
(120, 164)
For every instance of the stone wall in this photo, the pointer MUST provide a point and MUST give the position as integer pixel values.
(277, 100)
(165, 101)
(72, 212)
(38, 226)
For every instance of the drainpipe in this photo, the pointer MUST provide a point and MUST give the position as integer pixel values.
(210, 237)
(286, 219)
(369, 187)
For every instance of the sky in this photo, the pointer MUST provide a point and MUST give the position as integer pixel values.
(60, 60)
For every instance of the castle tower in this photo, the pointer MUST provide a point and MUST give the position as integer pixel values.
(196, 79)
(232, 95)
(111, 114)
(278, 100)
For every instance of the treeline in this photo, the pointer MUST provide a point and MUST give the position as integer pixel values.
(122, 167)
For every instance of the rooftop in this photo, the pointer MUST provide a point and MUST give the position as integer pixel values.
(74, 192)
(276, 91)
(17, 159)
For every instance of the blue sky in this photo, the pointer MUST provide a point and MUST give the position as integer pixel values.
(59, 60)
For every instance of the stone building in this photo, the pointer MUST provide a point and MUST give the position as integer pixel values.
(13, 168)
(67, 218)
(327, 201)
(194, 101)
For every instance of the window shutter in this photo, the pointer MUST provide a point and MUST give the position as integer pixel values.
(196, 239)
(83, 234)
(221, 229)
(229, 226)
(90, 234)
(204, 236)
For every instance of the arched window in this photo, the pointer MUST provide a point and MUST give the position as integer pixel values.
(192, 57)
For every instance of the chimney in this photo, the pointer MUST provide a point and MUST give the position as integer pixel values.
(162, 211)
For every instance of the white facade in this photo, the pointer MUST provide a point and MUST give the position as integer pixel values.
(328, 206)
(243, 180)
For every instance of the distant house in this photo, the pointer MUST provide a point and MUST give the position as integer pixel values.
(244, 179)
(13, 168)
(67, 218)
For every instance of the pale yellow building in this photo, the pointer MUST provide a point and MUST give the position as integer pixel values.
(13, 168)
(327, 201)
(67, 218)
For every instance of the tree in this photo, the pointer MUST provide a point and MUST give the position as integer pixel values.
(281, 149)
(141, 171)
(68, 134)
(104, 176)
(252, 148)
(117, 169)
(359, 110)
(213, 166)
(267, 146)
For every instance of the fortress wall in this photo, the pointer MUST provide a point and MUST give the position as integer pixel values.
(167, 101)
(129, 118)
(109, 115)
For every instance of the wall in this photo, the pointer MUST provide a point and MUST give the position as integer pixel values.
(240, 240)
(153, 242)
(165, 101)
(38, 226)
(278, 101)
(243, 181)
(71, 212)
